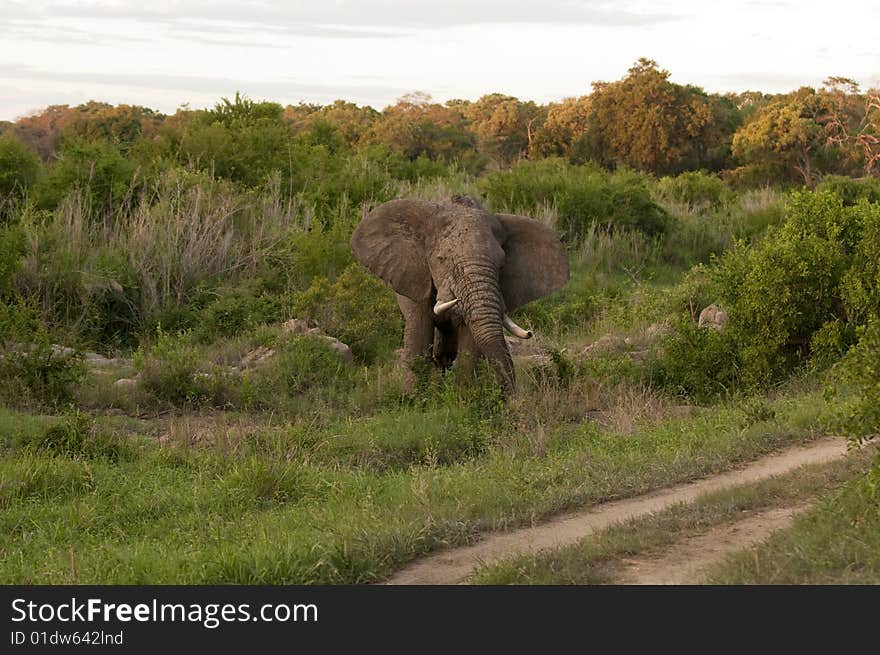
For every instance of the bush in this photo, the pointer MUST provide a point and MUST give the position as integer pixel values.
(96, 168)
(858, 415)
(19, 167)
(357, 309)
(799, 294)
(235, 310)
(779, 293)
(696, 189)
(299, 365)
(12, 248)
(172, 370)
(570, 307)
(32, 370)
(583, 196)
(76, 435)
(698, 363)
(305, 255)
(851, 190)
(37, 373)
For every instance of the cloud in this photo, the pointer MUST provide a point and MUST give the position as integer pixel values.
(363, 13)
(209, 86)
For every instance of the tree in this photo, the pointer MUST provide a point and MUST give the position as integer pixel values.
(42, 131)
(565, 124)
(868, 138)
(122, 124)
(351, 121)
(239, 140)
(790, 131)
(503, 125)
(649, 123)
(844, 107)
(416, 126)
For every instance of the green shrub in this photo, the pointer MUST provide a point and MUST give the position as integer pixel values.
(829, 343)
(305, 255)
(108, 295)
(696, 189)
(77, 435)
(32, 370)
(12, 248)
(851, 190)
(233, 311)
(19, 167)
(798, 295)
(173, 370)
(358, 309)
(858, 414)
(583, 196)
(95, 168)
(860, 284)
(570, 307)
(299, 365)
(698, 363)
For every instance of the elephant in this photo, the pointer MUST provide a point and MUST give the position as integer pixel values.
(457, 270)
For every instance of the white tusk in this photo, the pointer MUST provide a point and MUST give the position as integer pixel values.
(441, 307)
(515, 329)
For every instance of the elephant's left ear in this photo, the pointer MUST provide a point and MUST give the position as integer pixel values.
(535, 263)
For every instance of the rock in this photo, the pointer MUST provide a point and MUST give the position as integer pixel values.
(340, 349)
(296, 326)
(99, 361)
(62, 351)
(713, 317)
(301, 326)
(607, 343)
(255, 357)
(657, 330)
(125, 383)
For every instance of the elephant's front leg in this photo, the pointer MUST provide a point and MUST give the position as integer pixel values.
(468, 353)
(418, 336)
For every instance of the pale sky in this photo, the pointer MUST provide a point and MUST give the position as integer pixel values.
(164, 53)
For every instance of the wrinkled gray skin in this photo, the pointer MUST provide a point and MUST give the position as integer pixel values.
(493, 263)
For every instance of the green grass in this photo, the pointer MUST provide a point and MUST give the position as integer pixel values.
(837, 542)
(597, 559)
(283, 505)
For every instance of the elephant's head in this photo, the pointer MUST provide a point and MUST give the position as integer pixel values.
(437, 253)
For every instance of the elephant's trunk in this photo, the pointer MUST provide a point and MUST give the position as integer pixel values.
(482, 306)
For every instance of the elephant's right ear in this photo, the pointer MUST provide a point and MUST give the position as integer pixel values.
(389, 242)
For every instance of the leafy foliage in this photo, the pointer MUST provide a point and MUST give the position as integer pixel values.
(582, 195)
(695, 189)
(32, 370)
(646, 122)
(358, 308)
(858, 414)
(800, 293)
(19, 167)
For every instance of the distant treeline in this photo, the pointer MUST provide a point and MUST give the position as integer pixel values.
(642, 121)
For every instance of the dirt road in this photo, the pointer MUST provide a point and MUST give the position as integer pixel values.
(685, 562)
(455, 565)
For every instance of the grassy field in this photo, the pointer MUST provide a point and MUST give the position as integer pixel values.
(346, 502)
